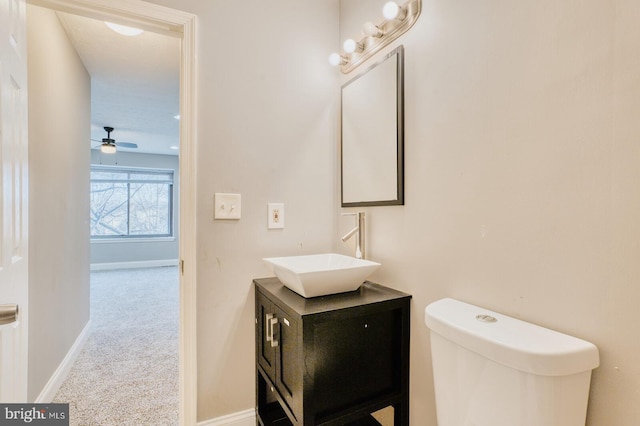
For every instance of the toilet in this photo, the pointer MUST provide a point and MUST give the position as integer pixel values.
(493, 370)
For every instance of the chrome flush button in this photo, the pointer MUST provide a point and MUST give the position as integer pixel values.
(486, 318)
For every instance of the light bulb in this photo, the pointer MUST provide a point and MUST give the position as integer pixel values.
(372, 30)
(107, 148)
(123, 29)
(351, 46)
(391, 10)
(336, 59)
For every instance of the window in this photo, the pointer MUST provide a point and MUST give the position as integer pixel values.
(131, 203)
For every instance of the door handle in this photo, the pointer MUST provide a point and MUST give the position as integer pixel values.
(267, 325)
(274, 331)
(8, 313)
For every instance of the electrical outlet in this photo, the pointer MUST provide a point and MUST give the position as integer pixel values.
(226, 206)
(275, 218)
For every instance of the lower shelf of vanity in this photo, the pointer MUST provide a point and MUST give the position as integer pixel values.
(274, 415)
(270, 410)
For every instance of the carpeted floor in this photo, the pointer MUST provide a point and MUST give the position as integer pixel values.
(127, 373)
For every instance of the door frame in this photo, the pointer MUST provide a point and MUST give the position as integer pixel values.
(156, 18)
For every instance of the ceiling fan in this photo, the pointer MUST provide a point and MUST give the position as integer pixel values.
(108, 145)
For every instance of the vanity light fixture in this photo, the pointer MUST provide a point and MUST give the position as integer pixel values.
(391, 10)
(398, 20)
(372, 30)
(350, 46)
(123, 29)
(336, 59)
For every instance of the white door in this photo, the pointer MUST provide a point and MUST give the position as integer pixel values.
(13, 200)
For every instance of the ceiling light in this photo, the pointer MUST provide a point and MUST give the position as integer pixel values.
(123, 29)
(174, 147)
(177, 117)
(108, 148)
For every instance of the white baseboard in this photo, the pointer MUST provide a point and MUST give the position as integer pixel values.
(59, 376)
(241, 418)
(132, 265)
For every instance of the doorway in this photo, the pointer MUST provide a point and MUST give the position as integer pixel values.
(161, 19)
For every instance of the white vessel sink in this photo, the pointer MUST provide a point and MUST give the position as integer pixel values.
(321, 274)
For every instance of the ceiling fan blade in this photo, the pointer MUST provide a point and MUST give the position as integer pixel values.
(127, 144)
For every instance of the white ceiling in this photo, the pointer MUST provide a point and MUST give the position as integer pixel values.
(134, 84)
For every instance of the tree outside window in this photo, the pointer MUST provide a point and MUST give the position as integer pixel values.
(131, 203)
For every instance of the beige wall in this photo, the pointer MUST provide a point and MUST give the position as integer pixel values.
(266, 129)
(522, 178)
(59, 108)
(267, 125)
(522, 174)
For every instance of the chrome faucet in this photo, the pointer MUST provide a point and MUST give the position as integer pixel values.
(358, 230)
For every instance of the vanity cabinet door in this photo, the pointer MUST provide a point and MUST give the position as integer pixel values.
(279, 351)
(288, 378)
(266, 349)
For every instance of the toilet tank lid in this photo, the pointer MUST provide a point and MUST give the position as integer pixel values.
(510, 341)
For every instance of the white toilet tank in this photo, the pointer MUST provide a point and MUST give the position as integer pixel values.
(493, 370)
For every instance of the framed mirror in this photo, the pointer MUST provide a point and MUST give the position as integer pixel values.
(372, 146)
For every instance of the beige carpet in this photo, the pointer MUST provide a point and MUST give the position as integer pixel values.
(127, 373)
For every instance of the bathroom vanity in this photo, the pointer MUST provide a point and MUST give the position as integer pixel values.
(331, 360)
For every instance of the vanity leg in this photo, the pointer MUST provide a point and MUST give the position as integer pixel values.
(401, 414)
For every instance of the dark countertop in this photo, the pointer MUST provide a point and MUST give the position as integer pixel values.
(368, 293)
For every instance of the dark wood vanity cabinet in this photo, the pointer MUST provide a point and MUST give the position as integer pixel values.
(331, 360)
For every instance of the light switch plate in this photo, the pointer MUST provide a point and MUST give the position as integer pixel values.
(227, 206)
(275, 219)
